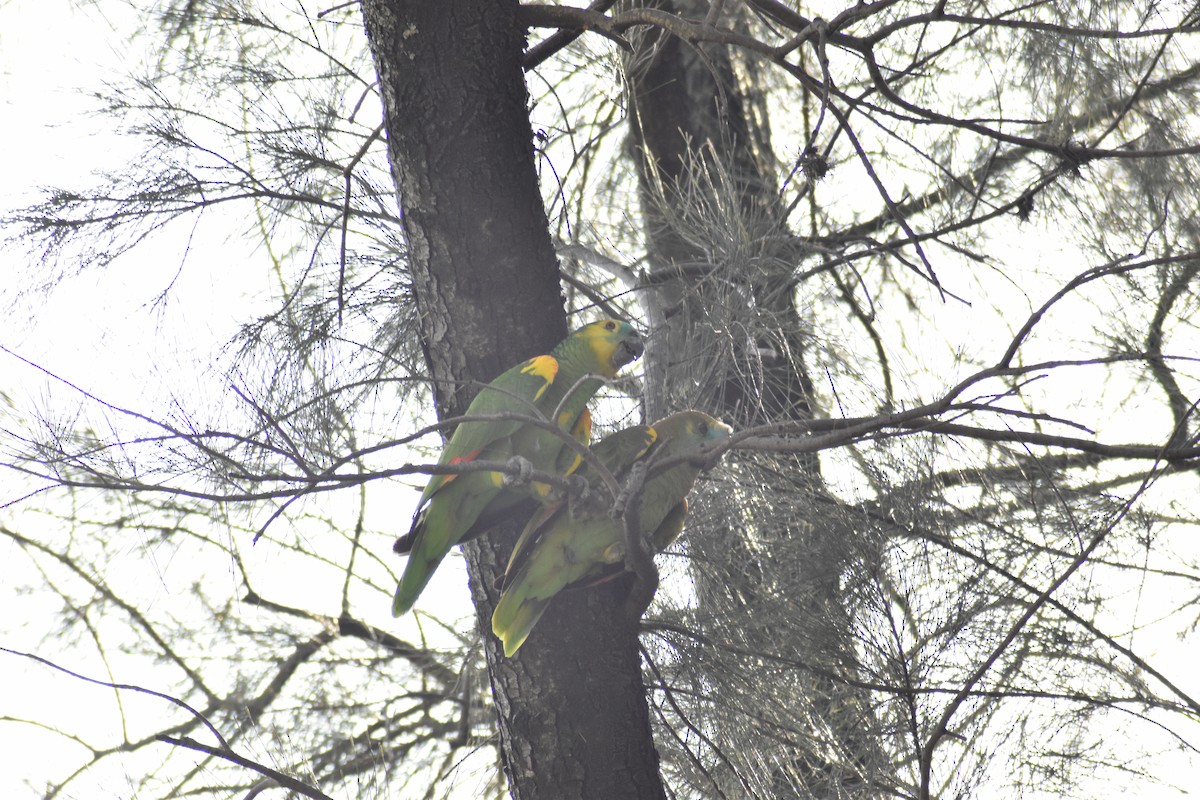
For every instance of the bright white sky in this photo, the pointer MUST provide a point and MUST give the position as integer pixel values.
(103, 332)
(98, 330)
(44, 49)
(48, 53)
(96, 324)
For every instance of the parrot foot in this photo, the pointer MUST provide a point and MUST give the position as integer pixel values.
(574, 488)
(518, 471)
(577, 486)
(578, 493)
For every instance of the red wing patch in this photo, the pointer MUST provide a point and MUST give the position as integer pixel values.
(445, 479)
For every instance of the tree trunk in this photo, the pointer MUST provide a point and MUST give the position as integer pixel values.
(719, 243)
(573, 715)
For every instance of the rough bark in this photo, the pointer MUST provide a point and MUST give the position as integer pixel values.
(573, 715)
(706, 171)
(702, 148)
(483, 265)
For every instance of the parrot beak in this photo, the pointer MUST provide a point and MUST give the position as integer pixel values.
(628, 349)
(717, 431)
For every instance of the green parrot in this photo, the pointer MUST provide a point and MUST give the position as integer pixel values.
(455, 507)
(507, 504)
(558, 549)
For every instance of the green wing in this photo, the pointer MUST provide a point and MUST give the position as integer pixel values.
(618, 452)
(515, 390)
(559, 385)
(669, 529)
(566, 552)
(451, 505)
(664, 535)
(496, 509)
(557, 550)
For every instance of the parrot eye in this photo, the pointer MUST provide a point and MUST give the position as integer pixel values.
(610, 326)
(702, 428)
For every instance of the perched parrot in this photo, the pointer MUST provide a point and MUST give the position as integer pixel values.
(558, 549)
(455, 507)
(507, 504)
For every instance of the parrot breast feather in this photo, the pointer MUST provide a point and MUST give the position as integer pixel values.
(617, 452)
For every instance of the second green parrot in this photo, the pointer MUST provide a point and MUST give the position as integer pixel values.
(452, 506)
(558, 549)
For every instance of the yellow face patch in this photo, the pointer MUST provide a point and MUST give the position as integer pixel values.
(545, 367)
(602, 337)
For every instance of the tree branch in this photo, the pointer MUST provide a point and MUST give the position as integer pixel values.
(284, 780)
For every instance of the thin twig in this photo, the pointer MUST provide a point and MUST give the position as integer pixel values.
(125, 686)
(284, 780)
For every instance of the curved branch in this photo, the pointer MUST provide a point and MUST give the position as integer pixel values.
(286, 781)
(127, 687)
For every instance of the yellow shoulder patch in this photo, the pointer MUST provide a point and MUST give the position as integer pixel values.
(651, 438)
(613, 553)
(545, 367)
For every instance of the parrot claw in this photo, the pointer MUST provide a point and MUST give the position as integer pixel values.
(577, 487)
(518, 471)
(578, 493)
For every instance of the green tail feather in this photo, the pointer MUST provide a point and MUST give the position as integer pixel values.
(417, 572)
(514, 618)
(429, 544)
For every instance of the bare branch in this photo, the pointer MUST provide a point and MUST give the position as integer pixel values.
(283, 780)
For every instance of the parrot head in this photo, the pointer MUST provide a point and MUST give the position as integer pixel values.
(686, 429)
(612, 343)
